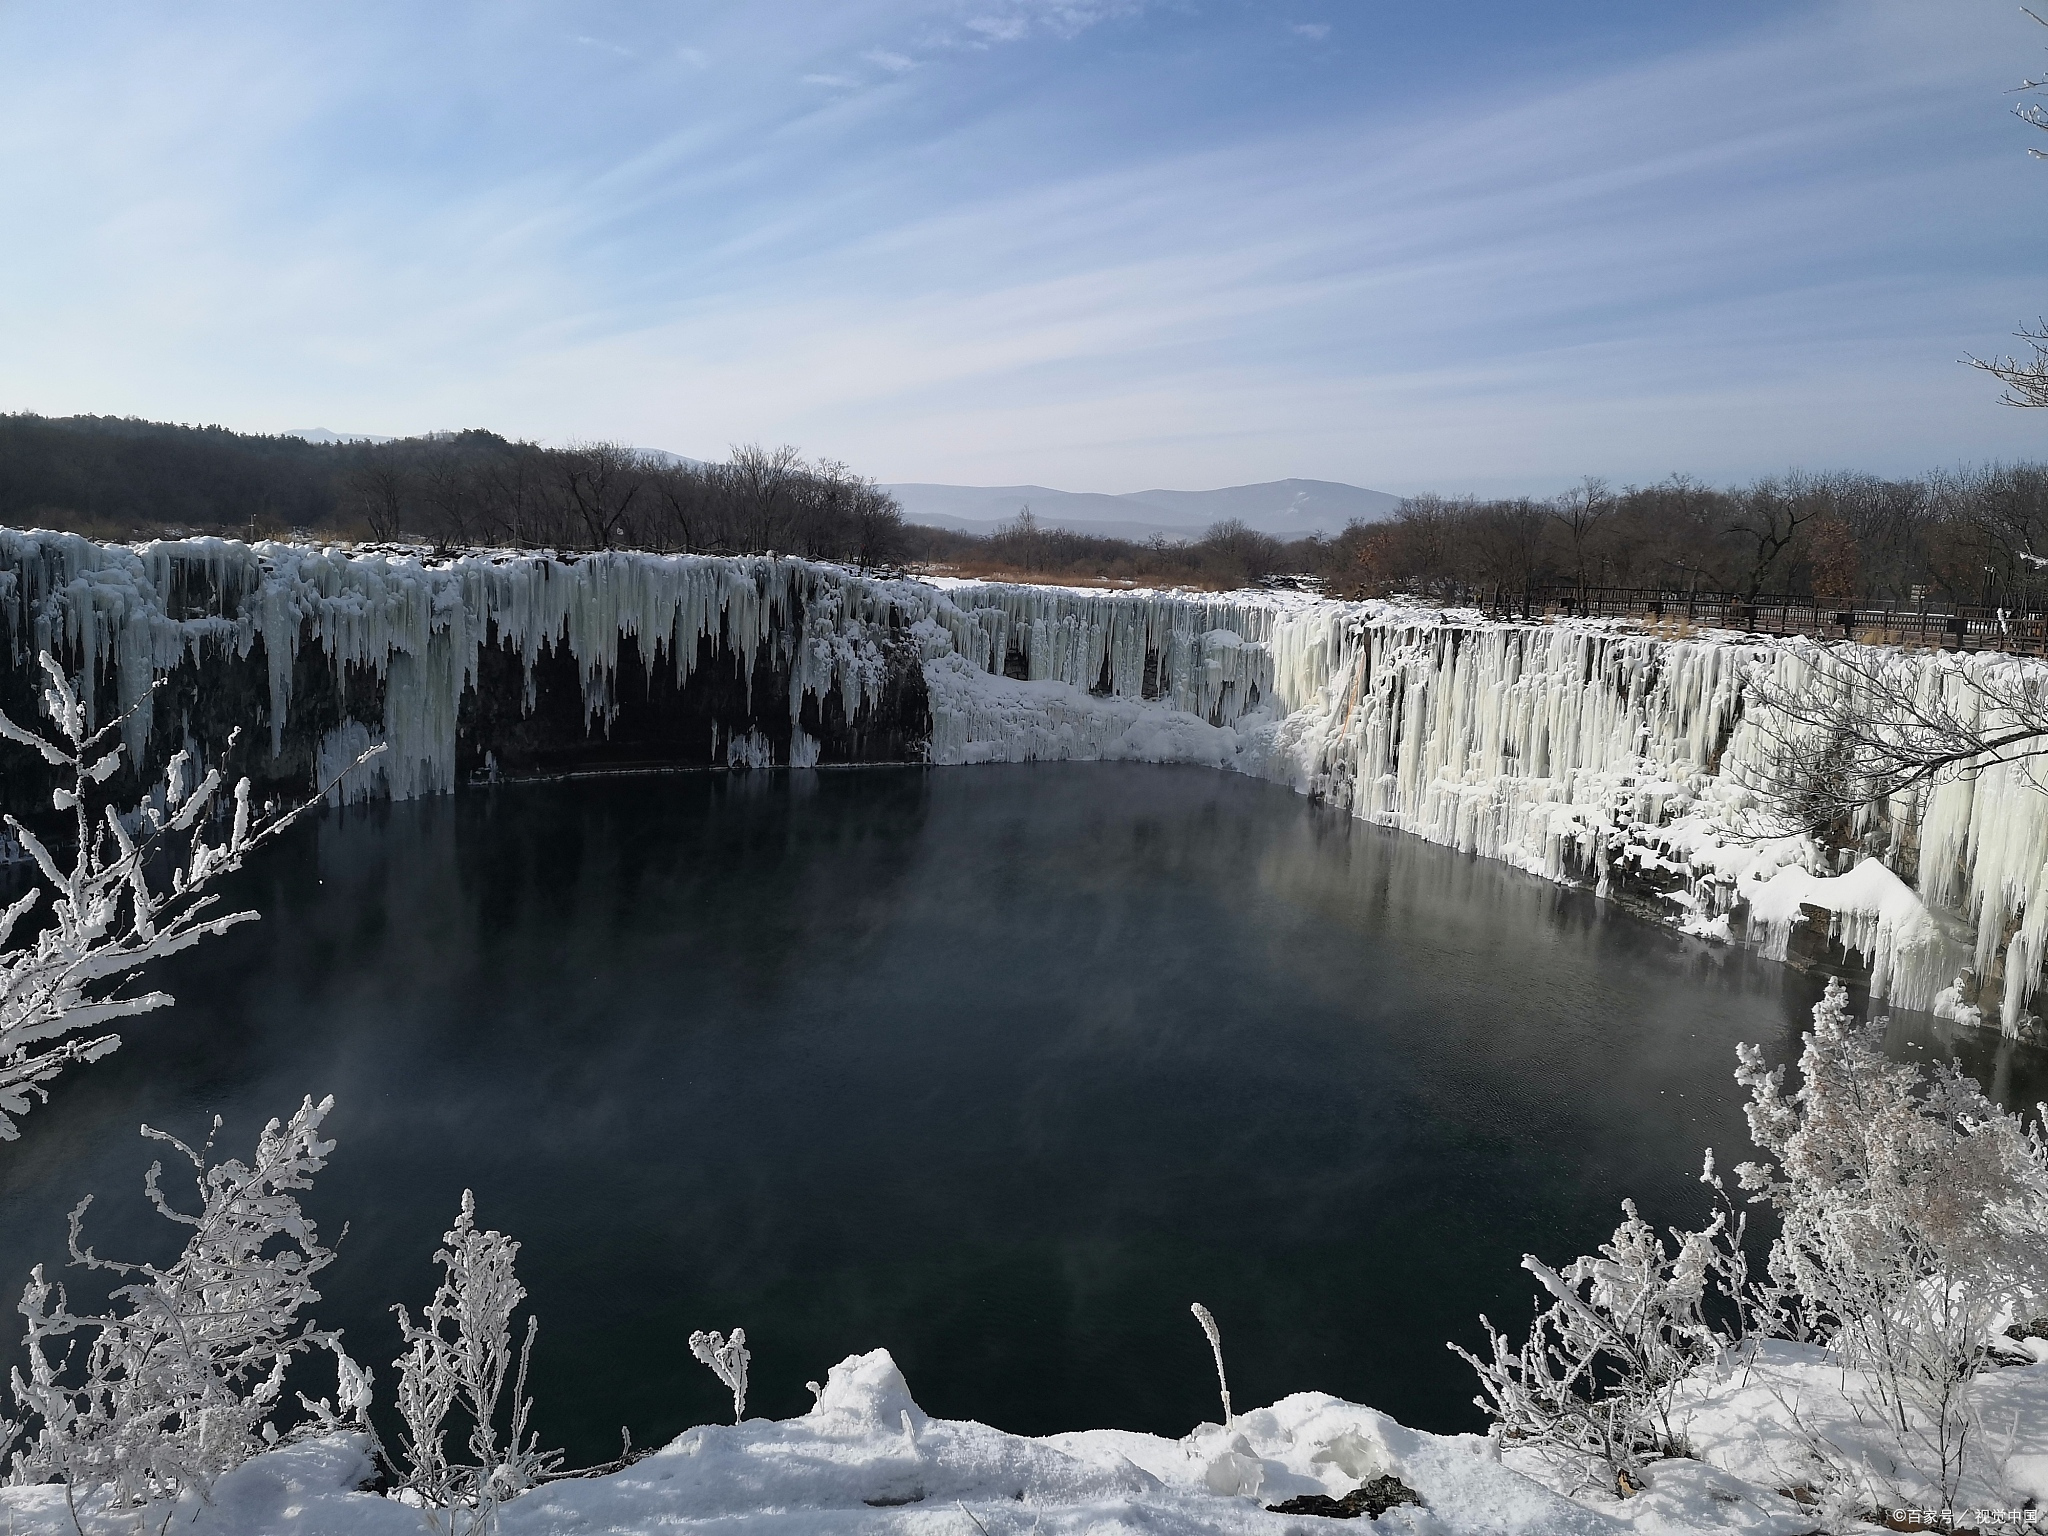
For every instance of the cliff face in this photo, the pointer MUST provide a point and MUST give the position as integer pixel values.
(1581, 752)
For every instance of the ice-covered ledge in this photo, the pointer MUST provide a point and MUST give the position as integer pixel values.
(1588, 752)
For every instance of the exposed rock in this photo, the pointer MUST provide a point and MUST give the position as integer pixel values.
(1370, 1500)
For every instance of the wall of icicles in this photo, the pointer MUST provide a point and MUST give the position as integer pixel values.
(466, 669)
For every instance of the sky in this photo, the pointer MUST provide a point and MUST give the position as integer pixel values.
(1095, 244)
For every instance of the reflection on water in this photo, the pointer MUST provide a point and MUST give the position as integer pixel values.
(999, 1067)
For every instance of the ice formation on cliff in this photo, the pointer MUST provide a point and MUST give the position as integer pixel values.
(1576, 750)
(417, 625)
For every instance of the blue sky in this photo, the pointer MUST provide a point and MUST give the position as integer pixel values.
(1097, 244)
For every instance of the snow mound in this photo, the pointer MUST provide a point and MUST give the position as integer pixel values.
(1872, 911)
(866, 1458)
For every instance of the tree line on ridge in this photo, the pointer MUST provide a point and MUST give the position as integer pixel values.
(1968, 536)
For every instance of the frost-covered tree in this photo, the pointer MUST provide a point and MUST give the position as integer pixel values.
(454, 1368)
(183, 1378)
(136, 890)
(1914, 1223)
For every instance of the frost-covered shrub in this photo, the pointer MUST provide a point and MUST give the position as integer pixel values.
(136, 891)
(727, 1359)
(1595, 1382)
(1914, 1225)
(1913, 1217)
(455, 1363)
(183, 1379)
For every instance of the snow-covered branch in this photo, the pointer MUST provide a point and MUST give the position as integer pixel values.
(1595, 1382)
(1850, 726)
(136, 890)
(1206, 1320)
(1914, 1226)
(727, 1360)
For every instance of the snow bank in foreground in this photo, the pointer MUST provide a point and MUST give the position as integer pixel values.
(867, 1458)
(1758, 1419)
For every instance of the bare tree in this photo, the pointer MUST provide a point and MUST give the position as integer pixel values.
(1832, 561)
(379, 487)
(1509, 536)
(599, 483)
(1580, 511)
(1022, 539)
(1888, 523)
(448, 488)
(1245, 553)
(823, 521)
(764, 486)
(2032, 111)
(511, 491)
(1417, 549)
(877, 525)
(1992, 533)
(682, 500)
(1771, 514)
(2025, 379)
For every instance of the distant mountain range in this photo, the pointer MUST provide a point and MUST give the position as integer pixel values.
(1288, 508)
(1285, 507)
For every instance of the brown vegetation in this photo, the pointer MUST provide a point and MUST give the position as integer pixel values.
(1966, 537)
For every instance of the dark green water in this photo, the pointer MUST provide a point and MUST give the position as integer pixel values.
(997, 1067)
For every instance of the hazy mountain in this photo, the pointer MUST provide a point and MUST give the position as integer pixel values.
(999, 503)
(322, 435)
(676, 460)
(1324, 504)
(1293, 507)
(1107, 528)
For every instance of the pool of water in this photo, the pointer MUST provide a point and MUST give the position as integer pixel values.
(997, 1067)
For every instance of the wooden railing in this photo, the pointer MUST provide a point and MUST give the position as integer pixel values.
(1930, 626)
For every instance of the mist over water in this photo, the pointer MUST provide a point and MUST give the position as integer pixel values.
(997, 1067)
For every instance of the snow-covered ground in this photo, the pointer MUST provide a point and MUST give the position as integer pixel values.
(867, 1458)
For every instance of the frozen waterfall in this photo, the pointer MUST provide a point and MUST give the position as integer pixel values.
(1587, 752)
